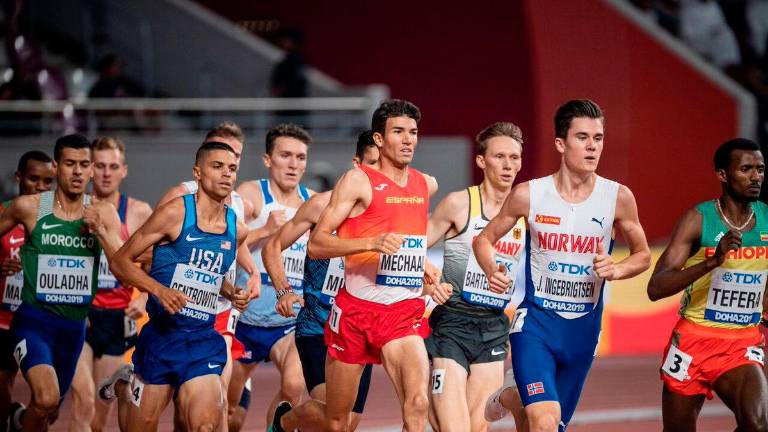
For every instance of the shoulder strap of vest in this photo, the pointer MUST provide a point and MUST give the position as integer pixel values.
(475, 203)
(190, 214)
(266, 197)
(122, 208)
(303, 192)
(46, 204)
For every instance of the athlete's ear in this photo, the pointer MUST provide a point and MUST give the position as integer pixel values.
(480, 161)
(560, 145)
(17, 176)
(355, 161)
(267, 160)
(378, 139)
(196, 172)
(721, 175)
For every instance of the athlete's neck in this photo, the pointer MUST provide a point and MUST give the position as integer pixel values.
(284, 195)
(493, 197)
(735, 210)
(574, 187)
(210, 209)
(112, 198)
(396, 173)
(68, 205)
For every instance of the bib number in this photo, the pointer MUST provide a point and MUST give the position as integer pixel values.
(438, 381)
(518, 320)
(677, 363)
(12, 291)
(64, 279)
(756, 354)
(232, 320)
(334, 279)
(137, 390)
(334, 318)
(130, 328)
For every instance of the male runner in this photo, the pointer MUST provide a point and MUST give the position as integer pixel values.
(266, 335)
(226, 317)
(179, 353)
(34, 175)
(468, 344)
(60, 263)
(718, 256)
(112, 327)
(380, 219)
(571, 217)
(322, 280)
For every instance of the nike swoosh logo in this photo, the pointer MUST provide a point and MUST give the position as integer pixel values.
(289, 330)
(493, 352)
(190, 238)
(479, 227)
(213, 366)
(47, 227)
(14, 240)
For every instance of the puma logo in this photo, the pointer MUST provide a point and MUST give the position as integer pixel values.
(599, 222)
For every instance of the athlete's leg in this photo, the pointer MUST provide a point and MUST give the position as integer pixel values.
(510, 399)
(343, 381)
(405, 360)
(285, 357)
(745, 391)
(240, 374)
(200, 400)
(484, 378)
(147, 402)
(679, 412)
(226, 375)
(44, 401)
(448, 409)
(7, 377)
(83, 392)
(103, 367)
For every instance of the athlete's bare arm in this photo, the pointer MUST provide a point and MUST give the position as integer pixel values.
(103, 222)
(352, 192)
(431, 184)
(669, 277)
(23, 210)
(304, 219)
(238, 297)
(163, 225)
(516, 205)
(251, 191)
(449, 217)
(626, 221)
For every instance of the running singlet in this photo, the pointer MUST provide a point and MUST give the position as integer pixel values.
(382, 278)
(236, 204)
(111, 293)
(60, 262)
(261, 311)
(195, 264)
(10, 247)
(730, 296)
(562, 245)
(461, 269)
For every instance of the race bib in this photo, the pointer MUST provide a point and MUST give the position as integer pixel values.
(201, 286)
(475, 289)
(64, 279)
(334, 279)
(12, 291)
(130, 328)
(334, 318)
(568, 287)
(677, 363)
(293, 262)
(405, 268)
(106, 279)
(735, 296)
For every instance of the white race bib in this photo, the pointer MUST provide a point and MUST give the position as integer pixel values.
(677, 363)
(106, 279)
(567, 287)
(201, 286)
(735, 296)
(64, 279)
(293, 262)
(334, 278)
(12, 291)
(405, 268)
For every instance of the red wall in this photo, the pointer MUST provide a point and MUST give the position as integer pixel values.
(469, 65)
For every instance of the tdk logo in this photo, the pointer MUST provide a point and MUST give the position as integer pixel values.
(298, 247)
(571, 269)
(69, 263)
(413, 243)
(743, 278)
(201, 277)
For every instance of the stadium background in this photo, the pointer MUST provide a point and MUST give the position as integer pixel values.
(201, 62)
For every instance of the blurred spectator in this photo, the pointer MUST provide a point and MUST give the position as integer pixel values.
(289, 77)
(662, 12)
(111, 82)
(703, 27)
(757, 19)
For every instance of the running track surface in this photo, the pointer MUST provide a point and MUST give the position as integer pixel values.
(621, 394)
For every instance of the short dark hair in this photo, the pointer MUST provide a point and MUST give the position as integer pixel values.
(210, 146)
(390, 109)
(227, 129)
(723, 153)
(35, 155)
(497, 129)
(286, 130)
(574, 109)
(364, 140)
(73, 141)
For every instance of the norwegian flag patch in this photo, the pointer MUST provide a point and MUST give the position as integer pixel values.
(535, 388)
